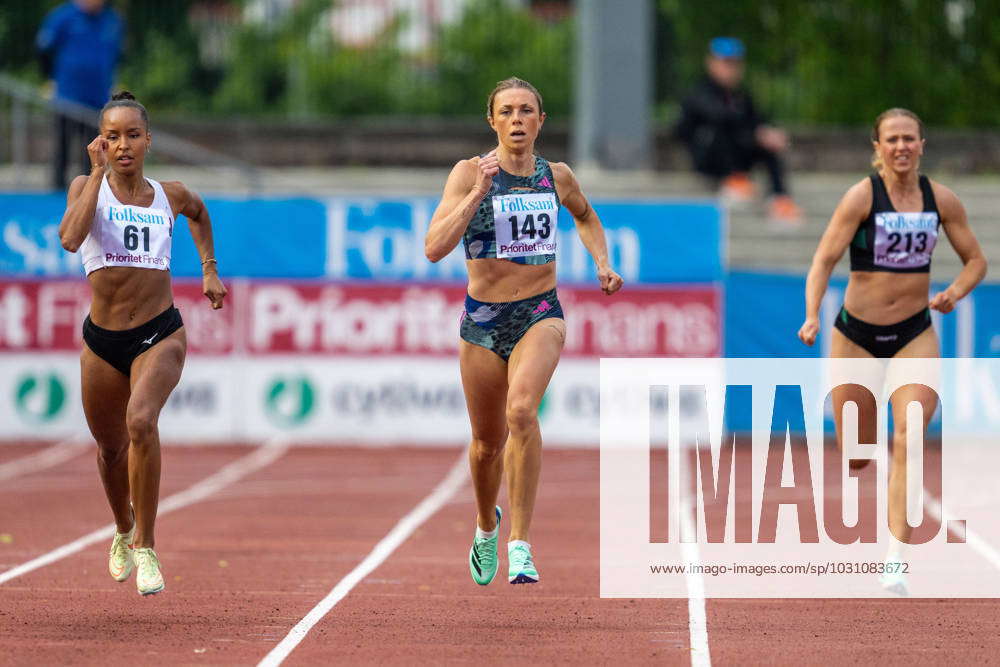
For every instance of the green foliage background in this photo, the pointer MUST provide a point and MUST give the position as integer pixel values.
(844, 61)
(821, 62)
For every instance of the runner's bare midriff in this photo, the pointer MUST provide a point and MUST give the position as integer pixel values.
(879, 297)
(124, 298)
(499, 280)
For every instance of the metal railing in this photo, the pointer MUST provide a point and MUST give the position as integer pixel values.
(23, 96)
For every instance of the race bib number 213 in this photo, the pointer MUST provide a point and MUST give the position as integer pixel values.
(525, 224)
(905, 240)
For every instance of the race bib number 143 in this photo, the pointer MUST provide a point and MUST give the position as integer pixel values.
(525, 224)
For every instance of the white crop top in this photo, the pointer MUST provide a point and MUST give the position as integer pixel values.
(129, 235)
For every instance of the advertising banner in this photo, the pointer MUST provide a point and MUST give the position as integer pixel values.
(763, 313)
(372, 363)
(263, 318)
(311, 399)
(379, 239)
(47, 315)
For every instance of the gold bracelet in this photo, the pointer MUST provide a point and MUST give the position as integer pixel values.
(210, 260)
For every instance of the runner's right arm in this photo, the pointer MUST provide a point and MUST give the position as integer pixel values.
(851, 210)
(81, 199)
(468, 183)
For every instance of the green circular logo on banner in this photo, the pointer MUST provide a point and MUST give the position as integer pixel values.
(40, 398)
(290, 400)
(543, 406)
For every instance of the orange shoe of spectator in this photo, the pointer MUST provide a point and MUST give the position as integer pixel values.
(784, 210)
(737, 188)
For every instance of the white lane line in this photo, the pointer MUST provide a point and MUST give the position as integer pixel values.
(261, 457)
(48, 457)
(697, 619)
(978, 544)
(402, 530)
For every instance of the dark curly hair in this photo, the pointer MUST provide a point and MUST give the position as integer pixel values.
(125, 99)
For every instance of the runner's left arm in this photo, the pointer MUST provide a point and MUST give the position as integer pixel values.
(191, 206)
(588, 225)
(963, 240)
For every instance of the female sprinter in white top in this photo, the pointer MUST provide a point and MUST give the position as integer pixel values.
(134, 340)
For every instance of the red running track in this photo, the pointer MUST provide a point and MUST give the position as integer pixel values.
(244, 565)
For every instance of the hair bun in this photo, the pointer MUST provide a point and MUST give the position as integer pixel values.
(123, 95)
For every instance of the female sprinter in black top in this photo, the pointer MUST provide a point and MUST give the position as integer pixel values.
(891, 221)
(504, 206)
(134, 340)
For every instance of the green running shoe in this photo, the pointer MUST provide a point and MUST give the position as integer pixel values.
(148, 579)
(521, 568)
(483, 557)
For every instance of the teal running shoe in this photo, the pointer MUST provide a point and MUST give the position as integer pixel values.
(521, 568)
(483, 557)
(893, 579)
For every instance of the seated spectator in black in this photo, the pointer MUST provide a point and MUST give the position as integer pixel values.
(726, 135)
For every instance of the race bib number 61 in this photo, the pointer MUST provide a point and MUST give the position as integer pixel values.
(525, 224)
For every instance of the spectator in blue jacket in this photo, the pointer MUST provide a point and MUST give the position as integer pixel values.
(80, 44)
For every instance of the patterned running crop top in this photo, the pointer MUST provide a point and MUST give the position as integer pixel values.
(517, 220)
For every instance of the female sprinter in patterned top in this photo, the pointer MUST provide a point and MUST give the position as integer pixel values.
(504, 206)
(134, 340)
(891, 220)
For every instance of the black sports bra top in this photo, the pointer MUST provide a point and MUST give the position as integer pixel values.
(888, 240)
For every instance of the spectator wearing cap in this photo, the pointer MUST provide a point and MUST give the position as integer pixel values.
(80, 44)
(727, 136)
